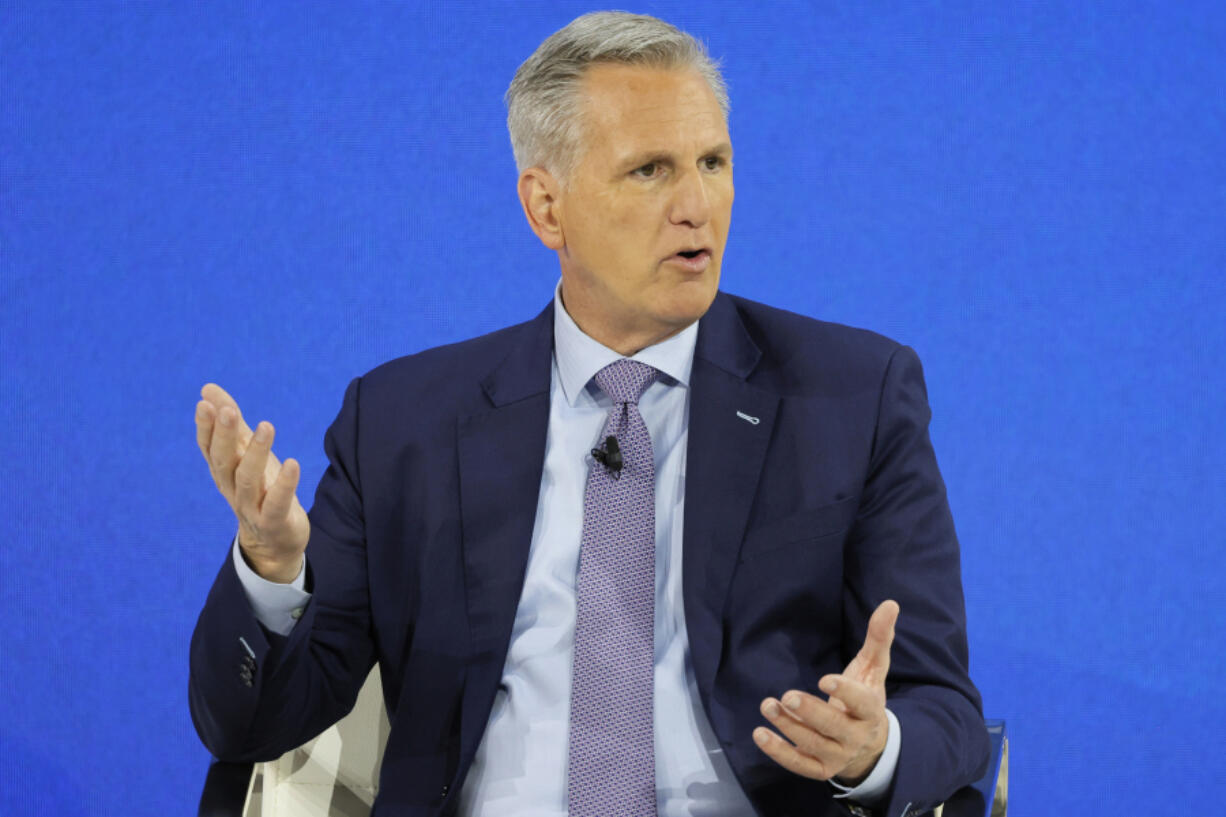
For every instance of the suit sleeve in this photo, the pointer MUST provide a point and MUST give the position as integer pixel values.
(253, 694)
(904, 546)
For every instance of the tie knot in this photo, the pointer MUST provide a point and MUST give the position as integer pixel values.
(625, 380)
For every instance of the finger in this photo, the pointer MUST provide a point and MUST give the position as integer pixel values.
(873, 660)
(811, 711)
(281, 494)
(249, 476)
(857, 700)
(225, 449)
(220, 398)
(217, 396)
(206, 416)
(813, 738)
(789, 757)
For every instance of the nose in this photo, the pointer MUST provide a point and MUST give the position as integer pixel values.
(691, 204)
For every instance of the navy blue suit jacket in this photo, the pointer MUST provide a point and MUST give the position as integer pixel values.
(796, 528)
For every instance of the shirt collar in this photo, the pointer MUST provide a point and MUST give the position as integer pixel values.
(580, 357)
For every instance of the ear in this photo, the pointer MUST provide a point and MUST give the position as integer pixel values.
(539, 194)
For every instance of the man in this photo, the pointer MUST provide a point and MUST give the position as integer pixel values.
(644, 554)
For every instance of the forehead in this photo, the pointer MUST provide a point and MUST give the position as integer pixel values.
(630, 108)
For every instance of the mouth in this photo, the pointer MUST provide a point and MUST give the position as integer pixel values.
(695, 260)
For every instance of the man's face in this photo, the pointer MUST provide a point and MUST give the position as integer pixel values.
(645, 213)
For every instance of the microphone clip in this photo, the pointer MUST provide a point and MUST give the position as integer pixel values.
(610, 456)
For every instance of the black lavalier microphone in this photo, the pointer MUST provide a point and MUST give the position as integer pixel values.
(610, 456)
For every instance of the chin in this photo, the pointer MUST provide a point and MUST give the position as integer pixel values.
(687, 302)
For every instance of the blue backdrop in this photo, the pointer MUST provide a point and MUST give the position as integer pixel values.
(279, 196)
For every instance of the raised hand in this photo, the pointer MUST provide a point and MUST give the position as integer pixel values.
(845, 735)
(273, 527)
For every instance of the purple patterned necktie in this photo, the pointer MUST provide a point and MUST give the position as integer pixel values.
(612, 768)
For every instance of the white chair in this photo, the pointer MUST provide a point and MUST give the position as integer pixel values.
(334, 775)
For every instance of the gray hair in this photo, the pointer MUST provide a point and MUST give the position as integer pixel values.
(543, 102)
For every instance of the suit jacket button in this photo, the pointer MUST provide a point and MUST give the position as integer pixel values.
(443, 791)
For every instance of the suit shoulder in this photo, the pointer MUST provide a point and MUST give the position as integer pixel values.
(810, 347)
(448, 369)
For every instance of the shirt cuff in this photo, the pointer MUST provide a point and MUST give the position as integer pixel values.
(277, 606)
(874, 787)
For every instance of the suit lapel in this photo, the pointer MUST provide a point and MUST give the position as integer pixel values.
(730, 427)
(501, 456)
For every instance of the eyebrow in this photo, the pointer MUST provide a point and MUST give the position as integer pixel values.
(647, 156)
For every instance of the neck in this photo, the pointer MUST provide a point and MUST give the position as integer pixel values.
(605, 329)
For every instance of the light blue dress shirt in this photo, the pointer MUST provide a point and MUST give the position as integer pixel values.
(520, 766)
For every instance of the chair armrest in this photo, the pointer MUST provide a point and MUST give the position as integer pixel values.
(225, 789)
(988, 796)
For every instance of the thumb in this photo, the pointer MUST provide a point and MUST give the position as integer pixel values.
(872, 663)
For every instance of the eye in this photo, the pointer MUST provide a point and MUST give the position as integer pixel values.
(647, 171)
(714, 163)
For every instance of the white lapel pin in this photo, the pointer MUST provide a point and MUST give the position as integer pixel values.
(748, 418)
